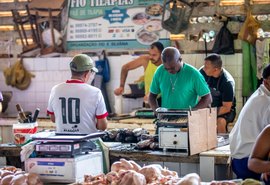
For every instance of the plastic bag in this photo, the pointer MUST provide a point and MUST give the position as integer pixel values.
(224, 43)
(248, 31)
(103, 68)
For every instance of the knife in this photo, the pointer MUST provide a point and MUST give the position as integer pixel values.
(35, 115)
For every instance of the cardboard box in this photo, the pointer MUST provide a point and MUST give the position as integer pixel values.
(66, 170)
(23, 131)
(202, 130)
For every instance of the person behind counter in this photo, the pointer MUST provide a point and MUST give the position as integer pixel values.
(75, 105)
(222, 87)
(179, 83)
(253, 118)
(149, 62)
(259, 159)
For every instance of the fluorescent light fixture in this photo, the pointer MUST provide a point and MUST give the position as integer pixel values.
(6, 1)
(29, 40)
(9, 14)
(11, 27)
(6, 27)
(11, 1)
(259, 1)
(177, 36)
(231, 2)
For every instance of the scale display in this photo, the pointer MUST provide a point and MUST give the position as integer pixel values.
(59, 144)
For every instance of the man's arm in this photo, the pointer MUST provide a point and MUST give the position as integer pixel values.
(52, 117)
(225, 108)
(204, 102)
(102, 124)
(153, 101)
(258, 159)
(227, 98)
(138, 62)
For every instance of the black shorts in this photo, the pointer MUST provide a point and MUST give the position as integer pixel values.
(229, 117)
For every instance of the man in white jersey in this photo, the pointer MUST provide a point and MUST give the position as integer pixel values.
(74, 105)
(253, 118)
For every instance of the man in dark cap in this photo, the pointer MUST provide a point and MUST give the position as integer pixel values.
(253, 118)
(181, 85)
(75, 106)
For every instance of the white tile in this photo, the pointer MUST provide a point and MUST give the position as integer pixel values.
(232, 70)
(46, 96)
(65, 75)
(39, 76)
(57, 77)
(28, 97)
(29, 63)
(4, 64)
(40, 64)
(53, 64)
(40, 87)
(64, 65)
(66, 59)
(2, 77)
(49, 85)
(2, 84)
(49, 76)
(31, 107)
(32, 87)
(39, 97)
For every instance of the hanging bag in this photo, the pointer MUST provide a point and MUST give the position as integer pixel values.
(248, 31)
(224, 43)
(103, 67)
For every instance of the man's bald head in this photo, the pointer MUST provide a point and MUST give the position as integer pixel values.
(171, 59)
(170, 54)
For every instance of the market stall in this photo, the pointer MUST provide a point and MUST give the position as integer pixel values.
(178, 141)
(172, 159)
(46, 124)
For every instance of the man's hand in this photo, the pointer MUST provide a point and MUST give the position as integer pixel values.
(265, 176)
(152, 99)
(119, 91)
(145, 98)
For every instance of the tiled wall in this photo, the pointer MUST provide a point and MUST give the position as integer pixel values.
(51, 71)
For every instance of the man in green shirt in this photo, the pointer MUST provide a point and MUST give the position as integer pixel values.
(181, 85)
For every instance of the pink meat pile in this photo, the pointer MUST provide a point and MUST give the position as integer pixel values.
(11, 175)
(126, 172)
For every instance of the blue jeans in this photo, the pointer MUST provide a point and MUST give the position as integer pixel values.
(240, 168)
